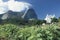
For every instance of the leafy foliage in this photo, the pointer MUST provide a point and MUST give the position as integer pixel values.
(14, 32)
(24, 22)
(54, 20)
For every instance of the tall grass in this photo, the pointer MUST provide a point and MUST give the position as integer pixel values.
(14, 32)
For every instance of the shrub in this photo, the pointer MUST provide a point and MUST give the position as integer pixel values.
(14, 32)
(54, 20)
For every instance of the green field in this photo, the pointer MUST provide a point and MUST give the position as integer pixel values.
(37, 32)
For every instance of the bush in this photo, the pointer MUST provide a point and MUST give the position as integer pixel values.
(40, 22)
(14, 32)
(23, 22)
(54, 20)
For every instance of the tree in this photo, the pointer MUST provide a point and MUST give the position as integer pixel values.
(43, 21)
(32, 22)
(59, 19)
(39, 22)
(54, 20)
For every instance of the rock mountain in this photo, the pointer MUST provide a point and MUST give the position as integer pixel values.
(29, 14)
(18, 10)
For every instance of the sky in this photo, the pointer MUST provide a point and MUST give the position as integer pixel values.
(44, 7)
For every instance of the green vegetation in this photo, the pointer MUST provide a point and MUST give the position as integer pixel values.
(55, 20)
(23, 22)
(13, 29)
(15, 32)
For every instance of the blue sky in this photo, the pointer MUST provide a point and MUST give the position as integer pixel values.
(44, 7)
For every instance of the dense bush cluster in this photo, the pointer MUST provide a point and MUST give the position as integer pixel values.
(28, 22)
(23, 22)
(14, 32)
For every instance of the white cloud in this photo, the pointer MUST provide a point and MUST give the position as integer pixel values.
(13, 6)
(16, 6)
(3, 7)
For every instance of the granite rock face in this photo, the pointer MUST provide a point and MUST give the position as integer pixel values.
(26, 14)
(16, 10)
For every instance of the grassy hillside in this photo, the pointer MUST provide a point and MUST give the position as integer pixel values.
(14, 32)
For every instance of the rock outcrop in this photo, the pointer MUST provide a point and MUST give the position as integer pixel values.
(29, 14)
(18, 10)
